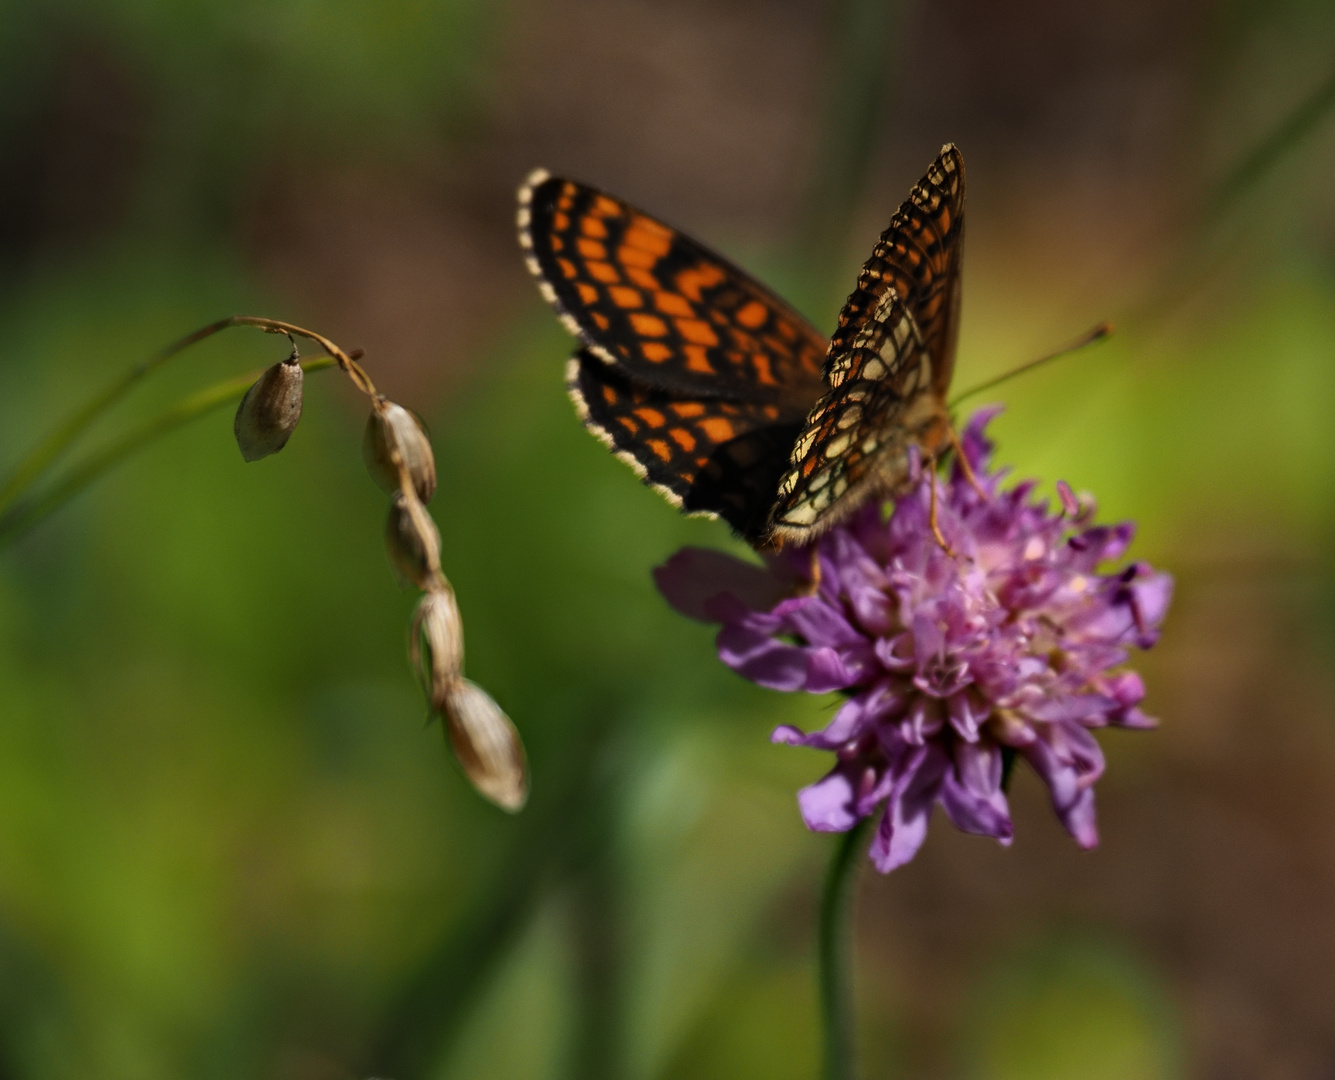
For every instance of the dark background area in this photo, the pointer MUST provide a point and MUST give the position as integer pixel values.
(230, 847)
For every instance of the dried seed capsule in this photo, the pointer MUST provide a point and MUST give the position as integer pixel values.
(436, 644)
(269, 411)
(413, 542)
(393, 425)
(486, 744)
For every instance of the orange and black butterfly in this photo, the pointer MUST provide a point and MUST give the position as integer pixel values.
(719, 394)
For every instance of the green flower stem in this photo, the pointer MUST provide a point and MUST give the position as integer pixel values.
(834, 959)
(23, 517)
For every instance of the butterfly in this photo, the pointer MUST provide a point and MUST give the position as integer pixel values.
(720, 395)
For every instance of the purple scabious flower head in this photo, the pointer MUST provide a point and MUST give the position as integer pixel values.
(953, 663)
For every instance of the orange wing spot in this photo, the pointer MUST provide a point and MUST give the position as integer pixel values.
(653, 228)
(717, 429)
(655, 352)
(599, 320)
(764, 373)
(605, 207)
(693, 281)
(688, 408)
(609, 395)
(648, 325)
(642, 277)
(771, 412)
(670, 303)
(568, 268)
(650, 416)
(697, 331)
(752, 315)
(633, 256)
(660, 448)
(591, 249)
(587, 292)
(557, 243)
(590, 226)
(625, 297)
(629, 424)
(560, 221)
(601, 271)
(698, 360)
(567, 196)
(653, 244)
(682, 438)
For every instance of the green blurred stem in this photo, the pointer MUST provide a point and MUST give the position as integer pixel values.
(1292, 130)
(834, 956)
(24, 517)
(45, 453)
(50, 448)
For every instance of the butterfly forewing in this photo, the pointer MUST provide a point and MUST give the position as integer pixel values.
(918, 256)
(656, 304)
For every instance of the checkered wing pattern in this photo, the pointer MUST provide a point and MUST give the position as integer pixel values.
(720, 395)
(665, 310)
(691, 371)
(855, 443)
(712, 456)
(918, 257)
(889, 364)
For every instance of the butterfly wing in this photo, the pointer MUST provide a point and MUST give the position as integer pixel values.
(692, 372)
(662, 308)
(889, 364)
(854, 446)
(703, 380)
(918, 257)
(709, 456)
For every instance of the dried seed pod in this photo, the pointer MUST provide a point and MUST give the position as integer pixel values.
(486, 744)
(436, 644)
(394, 426)
(413, 542)
(269, 411)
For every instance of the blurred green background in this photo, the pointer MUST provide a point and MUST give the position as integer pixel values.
(230, 847)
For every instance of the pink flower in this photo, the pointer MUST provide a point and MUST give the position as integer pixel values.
(953, 663)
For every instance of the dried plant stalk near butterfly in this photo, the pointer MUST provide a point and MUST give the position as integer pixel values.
(724, 398)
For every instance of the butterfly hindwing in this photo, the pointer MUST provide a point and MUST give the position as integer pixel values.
(855, 442)
(707, 456)
(651, 301)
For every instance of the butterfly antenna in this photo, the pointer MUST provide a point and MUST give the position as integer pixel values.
(1089, 338)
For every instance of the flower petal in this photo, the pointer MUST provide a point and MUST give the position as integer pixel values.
(694, 575)
(904, 824)
(971, 793)
(762, 659)
(827, 805)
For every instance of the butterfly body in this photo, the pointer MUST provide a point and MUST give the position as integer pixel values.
(720, 395)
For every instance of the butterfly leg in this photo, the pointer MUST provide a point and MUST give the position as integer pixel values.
(965, 467)
(931, 514)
